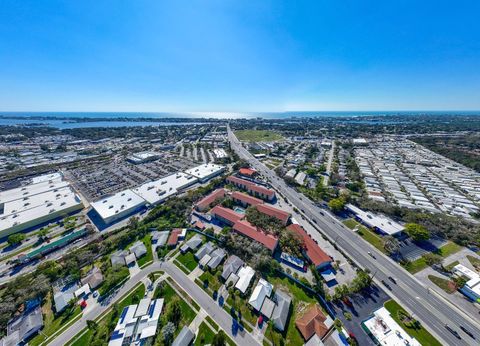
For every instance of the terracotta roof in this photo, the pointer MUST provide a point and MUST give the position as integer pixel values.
(227, 214)
(247, 171)
(251, 186)
(271, 211)
(246, 198)
(247, 229)
(311, 322)
(314, 252)
(199, 225)
(207, 200)
(173, 239)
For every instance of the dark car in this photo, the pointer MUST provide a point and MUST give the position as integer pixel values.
(392, 280)
(454, 332)
(469, 333)
(386, 285)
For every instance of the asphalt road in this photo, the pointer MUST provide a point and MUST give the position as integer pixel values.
(220, 316)
(433, 311)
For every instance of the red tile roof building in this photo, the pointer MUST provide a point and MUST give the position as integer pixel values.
(226, 215)
(281, 215)
(318, 257)
(312, 321)
(205, 202)
(248, 172)
(252, 188)
(244, 199)
(247, 229)
(173, 238)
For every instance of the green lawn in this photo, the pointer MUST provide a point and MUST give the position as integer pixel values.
(188, 260)
(474, 261)
(212, 322)
(448, 249)
(258, 136)
(366, 234)
(148, 257)
(213, 282)
(54, 323)
(82, 340)
(421, 334)
(205, 335)
(451, 265)
(442, 283)
(350, 223)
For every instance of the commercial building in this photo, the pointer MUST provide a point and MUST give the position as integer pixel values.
(378, 222)
(220, 153)
(206, 171)
(247, 172)
(472, 287)
(157, 191)
(115, 207)
(38, 201)
(142, 157)
(384, 330)
(207, 201)
(137, 323)
(311, 250)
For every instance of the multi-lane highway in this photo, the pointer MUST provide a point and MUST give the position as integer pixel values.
(433, 311)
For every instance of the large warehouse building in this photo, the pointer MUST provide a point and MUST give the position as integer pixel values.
(206, 171)
(159, 190)
(114, 207)
(37, 201)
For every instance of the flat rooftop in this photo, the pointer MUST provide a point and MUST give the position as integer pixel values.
(158, 190)
(205, 170)
(121, 201)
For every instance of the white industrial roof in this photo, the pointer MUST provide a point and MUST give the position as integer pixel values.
(18, 212)
(31, 190)
(114, 204)
(205, 170)
(220, 153)
(46, 177)
(381, 222)
(245, 275)
(158, 190)
(387, 331)
(461, 270)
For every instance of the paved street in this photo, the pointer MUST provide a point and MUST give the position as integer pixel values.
(221, 317)
(433, 311)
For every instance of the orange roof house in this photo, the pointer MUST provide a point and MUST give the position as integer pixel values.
(247, 229)
(205, 202)
(245, 199)
(226, 215)
(318, 257)
(312, 321)
(281, 215)
(248, 172)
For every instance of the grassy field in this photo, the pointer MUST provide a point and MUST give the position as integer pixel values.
(257, 136)
(442, 283)
(148, 258)
(474, 261)
(451, 265)
(205, 335)
(449, 249)
(421, 334)
(366, 234)
(54, 323)
(188, 260)
(213, 282)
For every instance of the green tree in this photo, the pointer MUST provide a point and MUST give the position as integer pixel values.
(174, 313)
(336, 204)
(219, 339)
(432, 259)
(391, 245)
(16, 238)
(133, 222)
(417, 232)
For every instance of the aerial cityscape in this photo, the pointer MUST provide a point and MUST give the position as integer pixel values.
(213, 173)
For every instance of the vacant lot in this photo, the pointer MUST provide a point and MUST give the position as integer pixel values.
(257, 136)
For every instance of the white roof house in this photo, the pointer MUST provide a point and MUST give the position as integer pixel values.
(40, 200)
(82, 291)
(157, 191)
(138, 248)
(387, 332)
(378, 221)
(245, 275)
(121, 204)
(205, 171)
(261, 291)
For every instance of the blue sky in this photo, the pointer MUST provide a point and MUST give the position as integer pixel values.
(239, 55)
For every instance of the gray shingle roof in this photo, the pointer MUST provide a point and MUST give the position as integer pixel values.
(232, 264)
(281, 311)
(184, 338)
